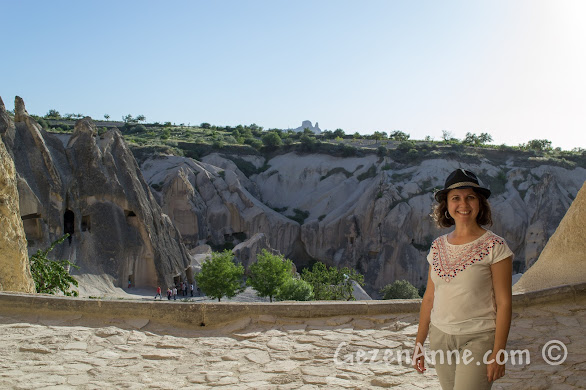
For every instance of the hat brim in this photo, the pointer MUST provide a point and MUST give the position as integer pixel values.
(482, 191)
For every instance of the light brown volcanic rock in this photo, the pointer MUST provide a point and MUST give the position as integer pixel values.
(92, 188)
(563, 260)
(210, 204)
(14, 263)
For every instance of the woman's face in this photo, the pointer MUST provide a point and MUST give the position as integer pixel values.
(463, 205)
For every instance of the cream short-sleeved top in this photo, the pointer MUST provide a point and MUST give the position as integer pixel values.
(463, 299)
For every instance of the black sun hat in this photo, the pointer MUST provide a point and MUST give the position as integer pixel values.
(462, 178)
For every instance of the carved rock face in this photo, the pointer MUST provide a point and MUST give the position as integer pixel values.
(93, 190)
(15, 275)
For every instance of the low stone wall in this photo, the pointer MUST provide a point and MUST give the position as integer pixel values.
(98, 311)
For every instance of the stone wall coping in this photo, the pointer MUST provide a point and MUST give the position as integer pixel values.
(218, 313)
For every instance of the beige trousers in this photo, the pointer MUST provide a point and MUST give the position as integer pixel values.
(466, 370)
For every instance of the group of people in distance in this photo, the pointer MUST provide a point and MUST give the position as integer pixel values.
(172, 291)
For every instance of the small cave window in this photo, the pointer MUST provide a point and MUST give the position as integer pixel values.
(86, 223)
(69, 224)
(32, 227)
(129, 213)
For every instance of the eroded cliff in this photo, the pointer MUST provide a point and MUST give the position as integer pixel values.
(91, 188)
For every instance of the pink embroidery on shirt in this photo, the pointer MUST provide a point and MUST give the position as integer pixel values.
(447, 268)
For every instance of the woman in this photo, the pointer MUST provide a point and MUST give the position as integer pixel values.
(467, 304)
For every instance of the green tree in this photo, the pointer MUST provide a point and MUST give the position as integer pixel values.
(272, 140)
(269, 273)
(485, 138)
(339, 133)
(328, 134)
(381, 151)
(106, 116)
(205, 125)
(331, 283)
(398, 135)
(295, 290)
(51, 276)
(140, 118)
(255, 143)
(308, 143)
(542, 145)
(470, 139)
(53, 114)
(220, 276)
(128, 119)
(377, 135)
(399, 289)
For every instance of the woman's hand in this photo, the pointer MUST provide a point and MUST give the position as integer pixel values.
(419, 359)
(494, 370)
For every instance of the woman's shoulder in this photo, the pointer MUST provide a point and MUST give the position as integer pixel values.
(439, 240)
(491, 236)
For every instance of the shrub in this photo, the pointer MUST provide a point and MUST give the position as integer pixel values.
(255, 143)
(331, 283)
(138, 129)
(272, 140)
(399, 289)
(299, 217)
(295, 290)
(51, 276)
(371, 172)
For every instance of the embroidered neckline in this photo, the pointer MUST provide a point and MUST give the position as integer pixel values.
(449, 259)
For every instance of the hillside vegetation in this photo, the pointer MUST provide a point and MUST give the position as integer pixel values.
(148, 139)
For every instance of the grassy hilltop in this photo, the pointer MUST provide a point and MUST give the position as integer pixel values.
(147, 139)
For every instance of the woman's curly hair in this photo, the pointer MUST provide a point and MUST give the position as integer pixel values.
(443, 220)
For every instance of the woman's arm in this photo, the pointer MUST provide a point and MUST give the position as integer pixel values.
(502, 286)
(423, 329)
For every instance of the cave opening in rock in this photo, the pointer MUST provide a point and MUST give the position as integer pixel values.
(177, 280)
(86, 223)
(69, 224)
(131, 281)
(32, 227)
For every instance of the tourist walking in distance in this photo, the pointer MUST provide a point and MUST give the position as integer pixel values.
(174, 293)
(191, 288)
(159, 293)
(466, 308)
(169, 293)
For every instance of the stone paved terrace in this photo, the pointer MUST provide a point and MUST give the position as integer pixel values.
(59, 343)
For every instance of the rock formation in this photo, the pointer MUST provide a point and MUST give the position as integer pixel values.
(308, 125)
(92, 189)
(363, 212)
(563, 260)
(210, 205)
(14, 263)
(368, 212)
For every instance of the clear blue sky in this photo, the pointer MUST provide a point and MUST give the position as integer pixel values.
(513, 68)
